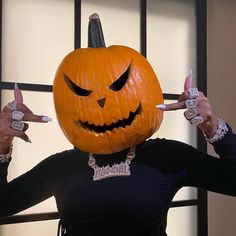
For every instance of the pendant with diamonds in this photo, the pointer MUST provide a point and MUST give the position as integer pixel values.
(121, 169)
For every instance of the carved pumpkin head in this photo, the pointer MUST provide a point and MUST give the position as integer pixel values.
(105, 98)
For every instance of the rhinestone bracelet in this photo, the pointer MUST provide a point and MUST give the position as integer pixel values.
(221, 131)
(4, 158)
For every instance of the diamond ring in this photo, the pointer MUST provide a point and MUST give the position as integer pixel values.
(17, 115)
(193, 93)
(12, 106)
(191, 103)
(197, 120)
(190, 113)
(17, 125)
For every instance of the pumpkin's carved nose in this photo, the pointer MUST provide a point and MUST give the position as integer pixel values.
(101, 102)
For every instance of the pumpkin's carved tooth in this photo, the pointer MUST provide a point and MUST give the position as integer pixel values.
(88, 122)
(134, 110)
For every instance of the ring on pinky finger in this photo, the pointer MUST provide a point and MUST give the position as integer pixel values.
(197, 120)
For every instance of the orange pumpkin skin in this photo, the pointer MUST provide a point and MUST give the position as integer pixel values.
(98, 122)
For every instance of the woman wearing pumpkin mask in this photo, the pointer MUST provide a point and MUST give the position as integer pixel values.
(126, 192)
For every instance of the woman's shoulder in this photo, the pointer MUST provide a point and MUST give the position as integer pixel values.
(166, 153)
(69, 153)
(64, 160)
(168, 145)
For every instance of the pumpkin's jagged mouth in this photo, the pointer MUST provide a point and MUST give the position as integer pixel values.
(103, 128)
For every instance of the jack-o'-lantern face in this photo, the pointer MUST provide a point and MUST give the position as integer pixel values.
(105, 99)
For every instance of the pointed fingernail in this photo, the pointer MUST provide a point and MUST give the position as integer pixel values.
(16, 86)
(191, 72)
(28, 140)
(161, 106)
(46, 118)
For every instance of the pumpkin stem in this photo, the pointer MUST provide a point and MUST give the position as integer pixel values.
(95, 33)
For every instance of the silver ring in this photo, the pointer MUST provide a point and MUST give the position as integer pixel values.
(191, 103)
(17, 115)
(17, 125)
(190, 113)
(193, 93)
(11, 106)
(197, 120)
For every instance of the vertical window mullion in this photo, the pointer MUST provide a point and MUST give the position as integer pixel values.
(201, 14)
(77, 31)
(143, 27)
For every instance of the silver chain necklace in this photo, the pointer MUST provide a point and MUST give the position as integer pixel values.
(122, 169)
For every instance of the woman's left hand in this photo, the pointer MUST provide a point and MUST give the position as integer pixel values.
(199, 111)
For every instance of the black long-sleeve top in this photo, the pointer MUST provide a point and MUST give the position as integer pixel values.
(120, 206)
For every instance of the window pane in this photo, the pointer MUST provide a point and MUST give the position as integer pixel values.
(182, 221)
(186, 193)
(39, 228)
(47, 139)
(36, 36)
(120, 21)
(171, 39)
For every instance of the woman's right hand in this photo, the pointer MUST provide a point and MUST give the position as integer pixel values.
(7, 128)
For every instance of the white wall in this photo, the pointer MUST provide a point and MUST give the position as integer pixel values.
(222, 94)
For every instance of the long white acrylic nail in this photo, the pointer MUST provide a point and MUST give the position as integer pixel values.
(16, 86)
(191, 72)
(28, 140)
(46, 118)
(161, 106)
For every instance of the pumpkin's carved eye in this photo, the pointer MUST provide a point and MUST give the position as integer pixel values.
(119, 83)
(75, 88)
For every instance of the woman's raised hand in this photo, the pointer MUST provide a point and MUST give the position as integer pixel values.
(13, 120)
(198, 109)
